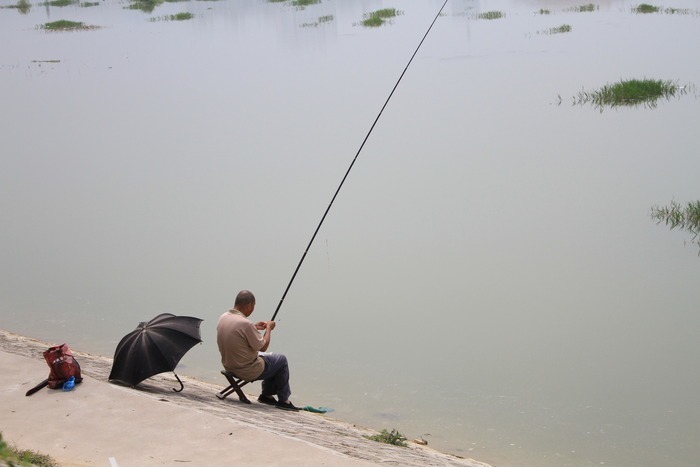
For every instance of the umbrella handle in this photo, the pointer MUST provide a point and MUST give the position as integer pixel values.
(182, 386)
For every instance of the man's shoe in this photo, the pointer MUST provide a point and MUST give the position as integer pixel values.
(269, 400)
(286, 406)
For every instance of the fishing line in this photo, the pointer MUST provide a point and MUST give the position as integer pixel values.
(313, 237)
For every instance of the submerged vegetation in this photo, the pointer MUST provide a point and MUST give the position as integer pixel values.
(379, 17)
(491, 15)
(59, 3)
(389, 437)
(583, 8)
(184, 16)
(23, 6)
(686, 218)
(65, 25)
(631, 92)
(321, 20)
(558, 30)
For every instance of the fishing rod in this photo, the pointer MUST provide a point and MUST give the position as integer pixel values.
(313, 237)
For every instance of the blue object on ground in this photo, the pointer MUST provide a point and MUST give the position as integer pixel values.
(309, 408)
(70, 384)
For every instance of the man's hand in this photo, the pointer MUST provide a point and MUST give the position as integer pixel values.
(260, 325)
(270, 325)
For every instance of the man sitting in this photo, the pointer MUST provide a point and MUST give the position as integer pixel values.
(243, 353)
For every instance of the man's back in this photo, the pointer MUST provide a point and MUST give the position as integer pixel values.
(239, 342)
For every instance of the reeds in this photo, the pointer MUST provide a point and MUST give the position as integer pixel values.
(631, 92)
(379, 17)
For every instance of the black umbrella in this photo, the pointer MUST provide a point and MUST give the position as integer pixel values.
(154, 347)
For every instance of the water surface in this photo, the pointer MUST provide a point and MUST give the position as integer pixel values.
(489, 277)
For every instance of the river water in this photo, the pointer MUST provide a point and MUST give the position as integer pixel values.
(489, 276)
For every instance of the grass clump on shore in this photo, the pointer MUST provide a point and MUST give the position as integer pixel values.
(389, 437)
(491, 15)
(66, 25)
(379, 17)
(12, 456)
(631, 93)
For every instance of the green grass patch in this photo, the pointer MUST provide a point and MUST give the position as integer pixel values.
(321, 20)
(631, 92)
(646, 8)
(544, 11)
(184, 16)
(564, 28)
(683, 217)
(59, 3)
(147, 6)
(389, 437)
(23, 6)
(89, 4)
(304, 3)
(379, 17)
(65, 25)
(14, 457)
(587, 8)
(491, 15)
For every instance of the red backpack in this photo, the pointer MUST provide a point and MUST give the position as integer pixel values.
(62, 364)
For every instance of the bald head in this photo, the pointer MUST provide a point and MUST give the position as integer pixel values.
(244, 298)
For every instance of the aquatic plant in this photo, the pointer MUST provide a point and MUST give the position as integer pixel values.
(59, 3)
(183, 16)
(379, 17)
(583, 8)
(65, 25)
(321, 19)
(23, 6)
(147, 6)
(491, 15)
(544, 11)
(89, 4)
(558, 30)
(393, 437)
(686, 218)
(304, 3)
(646, 8)
(631, 92)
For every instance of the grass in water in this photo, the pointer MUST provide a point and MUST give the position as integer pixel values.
(379, 17)
(564, 28)
(631, 92)
(389, 437)
(12, 456)
(304, 3)
(65, 25)
(184, 16)
(321, 20)
(491, 15)
(583, 8)
(147, 6)
(544, 11)
(23, 6)
(646, 8)
(684, 217)
(59, 3)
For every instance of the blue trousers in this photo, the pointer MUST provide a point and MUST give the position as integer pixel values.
(275, 376)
